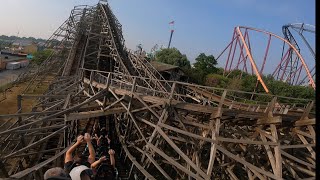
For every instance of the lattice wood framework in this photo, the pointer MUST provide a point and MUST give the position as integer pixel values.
(167, 129)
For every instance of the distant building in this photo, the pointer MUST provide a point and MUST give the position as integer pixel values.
(170, 72)
(30, 48)
(24, 46)
(15, 45)
(41, 46)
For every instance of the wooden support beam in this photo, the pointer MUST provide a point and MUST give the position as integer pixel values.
(230, 140)
(182, 154)
(92, 114)
(34, 144)
(251, 166)
(58, 113)
(27, 114)
(277, 151)
(33, 153)
(173, 162)
(215, 119)
(27, 171)
(270, 120)
(305, 122)
(154, 162)
(297, 160)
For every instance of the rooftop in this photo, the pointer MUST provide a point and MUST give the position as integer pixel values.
(159, 66)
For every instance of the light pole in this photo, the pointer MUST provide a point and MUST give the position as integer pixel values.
(172, 30)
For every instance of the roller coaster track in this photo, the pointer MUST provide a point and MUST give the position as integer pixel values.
(166, 129)
(300, 28)
(243, 53)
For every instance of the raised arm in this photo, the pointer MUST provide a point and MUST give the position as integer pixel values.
(92, 154)
(96, 163)
(112, 160)
(72, 149)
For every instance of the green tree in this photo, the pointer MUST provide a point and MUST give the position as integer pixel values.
(205, 64)
(174, 57)
(216, 80)
(40, 56)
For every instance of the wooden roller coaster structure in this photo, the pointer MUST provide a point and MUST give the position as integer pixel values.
(167, 129)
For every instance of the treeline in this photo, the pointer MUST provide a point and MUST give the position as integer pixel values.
(205, 72)
(6, 41)
(16, 38)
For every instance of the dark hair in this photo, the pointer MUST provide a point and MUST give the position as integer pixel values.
(87, 172)
(55, 173)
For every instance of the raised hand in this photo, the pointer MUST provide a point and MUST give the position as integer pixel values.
(87, 137)
(111, 152)
(103, 158)
(108, 140)
(79, 139)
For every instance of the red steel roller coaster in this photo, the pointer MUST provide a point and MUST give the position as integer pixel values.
(244, 53)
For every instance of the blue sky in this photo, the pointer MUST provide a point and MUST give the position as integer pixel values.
(200, 25)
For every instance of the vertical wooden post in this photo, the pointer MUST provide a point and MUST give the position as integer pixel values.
(19, 104)
(215, 132)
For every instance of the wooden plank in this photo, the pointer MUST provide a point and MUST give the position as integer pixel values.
(303, 133)
(232, 175)
(215, 116)
(31, 96)
(156, 100)
(270, 120)
(47, 118)
(277, 153)
(39, 129)
(154, 163)
(66, 102)
(92, 114)
(35, 143)
(27, 114)
(182, 154)
(173, 162)
(223, 139)
(307, 111)
(269, 154)
(310, 149)
(298, 160)
(297, 146)
(133, 159)
(238, 159)
(301, 169)
(147, 106)
(191, 123)
(264, 133)
(32, 153)
(305, 122)
(27, 171)
(194, 107)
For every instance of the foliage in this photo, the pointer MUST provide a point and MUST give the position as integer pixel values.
(249, 82)
(174, 57)
(205, 72)
(15, 38)
(216, 80)
(234, 84)
(220, 71)
(194, 77)
(236, 74)
(40, 56)
(205, 64)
